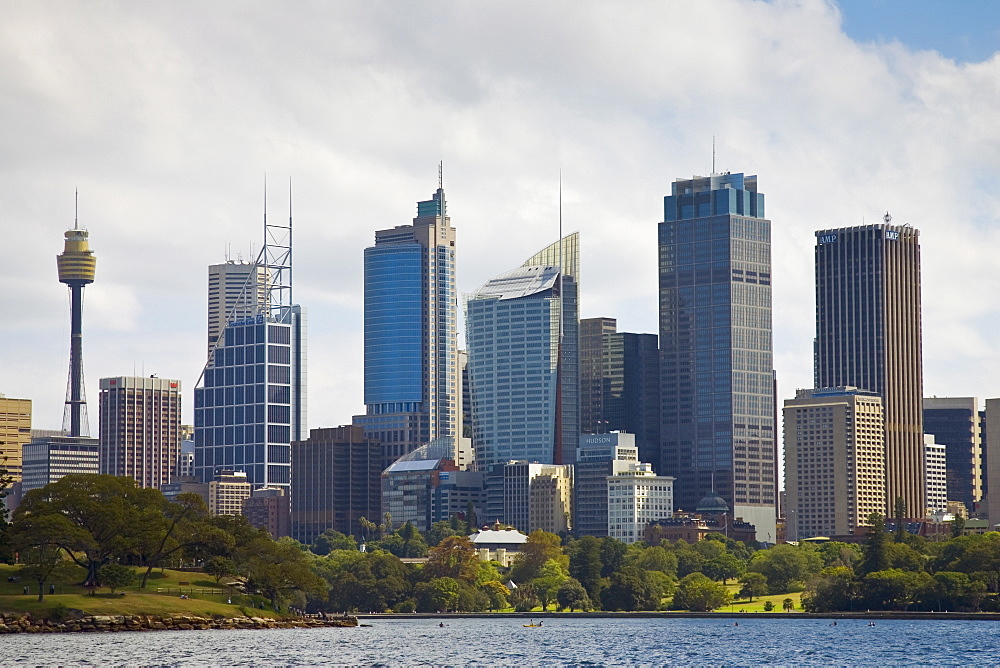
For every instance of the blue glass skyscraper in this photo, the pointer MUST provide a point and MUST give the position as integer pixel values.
(716, 366)
(411, 323)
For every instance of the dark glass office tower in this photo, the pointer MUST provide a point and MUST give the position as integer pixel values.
(620, 384)
(868, 336)
(716, 385)
(956, 424)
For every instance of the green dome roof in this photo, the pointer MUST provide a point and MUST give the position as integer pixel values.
(712, 503)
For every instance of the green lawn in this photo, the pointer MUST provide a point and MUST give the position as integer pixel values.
(758, 603)
(135, 601)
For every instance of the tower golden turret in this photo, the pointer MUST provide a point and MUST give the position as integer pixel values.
(77, 266)
(77, 263)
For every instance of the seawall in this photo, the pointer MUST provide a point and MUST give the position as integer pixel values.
(25, 623)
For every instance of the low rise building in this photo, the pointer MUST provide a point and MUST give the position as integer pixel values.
(498, 543)
(227, 491)
(268, 508)
(48, 459)
(596, 459)
(636, 497)
(188, 484)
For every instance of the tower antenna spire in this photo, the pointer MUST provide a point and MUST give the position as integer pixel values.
(76, 209)
(441, 175)
(713, 154)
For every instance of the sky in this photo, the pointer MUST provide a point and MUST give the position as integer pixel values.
(168, 116)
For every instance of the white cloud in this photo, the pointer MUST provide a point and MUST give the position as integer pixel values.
(167, 117)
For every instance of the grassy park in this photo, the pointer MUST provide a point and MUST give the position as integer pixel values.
(162, 596)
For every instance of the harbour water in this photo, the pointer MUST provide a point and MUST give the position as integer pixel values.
(560, 641)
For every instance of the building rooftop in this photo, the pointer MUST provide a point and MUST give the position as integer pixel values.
(492, 537)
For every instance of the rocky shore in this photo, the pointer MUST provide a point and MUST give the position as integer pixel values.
(25, 623)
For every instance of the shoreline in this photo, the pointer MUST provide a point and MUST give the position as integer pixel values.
(868, 615)
(11, 623)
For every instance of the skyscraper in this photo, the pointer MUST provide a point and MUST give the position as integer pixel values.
(140, 428)
(956, 425)
(594, 368)
(335, 482)
(868, 336)
(15, 432)
(522, 340)
(717, 392)
(411, 324)
(251, 401)
(236, 290)
(620, 384)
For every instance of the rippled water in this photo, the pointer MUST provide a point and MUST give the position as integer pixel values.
(504, 641)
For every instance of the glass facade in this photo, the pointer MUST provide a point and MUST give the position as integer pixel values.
(411, 325)
(394, 328)
(523, 379)
(251, 403)
(716, 373)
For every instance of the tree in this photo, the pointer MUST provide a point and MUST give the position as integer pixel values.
(43, 563)
(834, 589)
(95, 519)
(688, 559)
(754, 584)
(550, 578)
(786, 566)
(471, 521)
(768, 606)
(698, 593)
(953, 591)
(572, 595)
(835, 553)
(902, 556)
(957, 526)
(539, 548)
(899, 508)
(875, 554)
(219, 567)
(613, 553)
(893, 589)
(438, 595)
(277, 569)
(331, 540)
(788, 605)
(497, 594)
(171, 527)
(630, 590)
(585, 565)
(116, 576)
(523, 598)
(455, 557)
(657, 559)
(724, 567)
(6, 550)
(439, 531)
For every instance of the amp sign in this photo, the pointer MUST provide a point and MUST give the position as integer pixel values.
(827, 239)
(892, 235)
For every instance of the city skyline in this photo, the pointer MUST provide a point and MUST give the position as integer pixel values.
(170, 167)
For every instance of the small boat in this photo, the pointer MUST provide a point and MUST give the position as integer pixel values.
(531, 625)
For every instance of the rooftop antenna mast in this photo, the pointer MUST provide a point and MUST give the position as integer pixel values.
(713, 154)
(276, 259)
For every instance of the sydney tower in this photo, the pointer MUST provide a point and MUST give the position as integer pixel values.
(77, 265)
